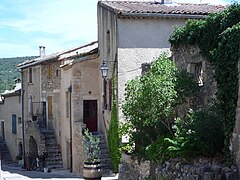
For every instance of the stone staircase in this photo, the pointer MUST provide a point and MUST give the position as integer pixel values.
(6, 159)
(106, 163)
(54, 158)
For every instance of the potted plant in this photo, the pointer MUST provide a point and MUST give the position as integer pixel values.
(92, 166)
(19, 159)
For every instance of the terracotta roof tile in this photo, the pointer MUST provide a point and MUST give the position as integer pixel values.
(155, 7)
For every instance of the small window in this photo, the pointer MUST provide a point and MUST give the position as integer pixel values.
(105, 93)
(108, 41)
(198, 73)
(57, 73)
(19, 120)
(145, 67)
(14, 124)
(30, 75)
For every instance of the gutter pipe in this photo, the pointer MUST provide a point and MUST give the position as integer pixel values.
(70, 118)
(23, 134)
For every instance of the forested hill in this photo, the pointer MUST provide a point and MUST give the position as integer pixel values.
(9, 71)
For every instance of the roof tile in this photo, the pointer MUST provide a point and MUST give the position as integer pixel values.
(155, 7)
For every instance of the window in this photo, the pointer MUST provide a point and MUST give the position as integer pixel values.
(19, 120)
(105, 93)
(198, 73)
(145, 67)
(49, 71)
(30, 75)
(14, 124)
(108, 41)
(57, 73)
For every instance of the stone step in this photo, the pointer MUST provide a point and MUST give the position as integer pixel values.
(54, 163)
(106, 165)
(55, 167)
(5, 155)
(54, 159)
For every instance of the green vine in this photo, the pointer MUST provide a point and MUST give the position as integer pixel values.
(113, 132)
(218, 37)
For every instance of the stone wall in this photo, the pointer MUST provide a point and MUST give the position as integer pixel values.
(78, 152)
(186, 58)
(201, 169)
(176, 169)
(133, 169)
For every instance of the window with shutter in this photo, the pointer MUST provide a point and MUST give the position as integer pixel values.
(30, 75)
(49, 72)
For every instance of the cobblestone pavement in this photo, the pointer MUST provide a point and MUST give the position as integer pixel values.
(17, 173)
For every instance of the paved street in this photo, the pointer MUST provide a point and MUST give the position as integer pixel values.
(17, 173)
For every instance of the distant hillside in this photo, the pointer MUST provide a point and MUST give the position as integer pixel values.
(9, 71)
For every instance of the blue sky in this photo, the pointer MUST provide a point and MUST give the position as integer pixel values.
(55, 24)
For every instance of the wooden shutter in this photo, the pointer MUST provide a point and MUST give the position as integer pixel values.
(49, 99)
(105, 93)
(110, 93)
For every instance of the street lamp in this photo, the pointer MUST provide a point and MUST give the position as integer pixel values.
(104, 70)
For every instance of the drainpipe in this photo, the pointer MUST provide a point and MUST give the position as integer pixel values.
(70, 118)
(23, 134)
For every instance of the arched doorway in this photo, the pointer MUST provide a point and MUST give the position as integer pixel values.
(33, 150)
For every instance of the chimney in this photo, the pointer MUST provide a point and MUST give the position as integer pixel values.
(41, 51)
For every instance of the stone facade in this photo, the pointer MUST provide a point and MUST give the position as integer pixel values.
(189, 58)
(50, 88)
(83, 75)
(78, 151)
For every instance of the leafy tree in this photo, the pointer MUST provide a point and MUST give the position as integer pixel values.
(150, 101)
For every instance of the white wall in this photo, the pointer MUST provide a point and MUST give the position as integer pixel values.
(146, 33)
(140, 41)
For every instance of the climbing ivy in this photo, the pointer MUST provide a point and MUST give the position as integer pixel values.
(218, 37)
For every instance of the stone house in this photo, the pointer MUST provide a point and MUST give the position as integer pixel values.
(131, 34)
(54, 95)
(40, 91)
(11, 122)
(80, 103)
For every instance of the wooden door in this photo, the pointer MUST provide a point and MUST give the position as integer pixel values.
(90, 114)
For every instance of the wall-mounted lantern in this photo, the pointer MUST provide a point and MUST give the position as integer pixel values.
(104, 70)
